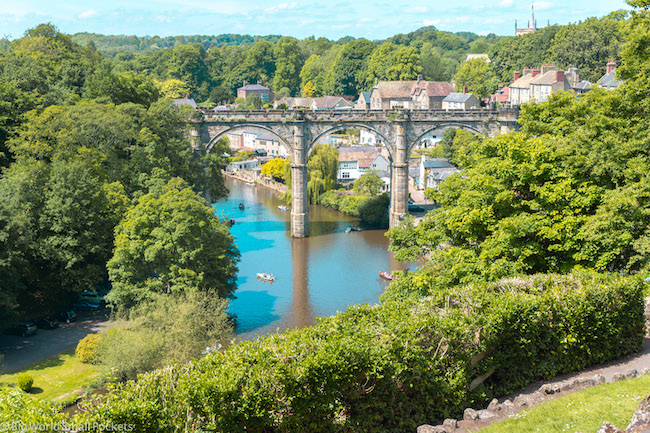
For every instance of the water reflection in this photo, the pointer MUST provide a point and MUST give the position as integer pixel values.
(315, 276)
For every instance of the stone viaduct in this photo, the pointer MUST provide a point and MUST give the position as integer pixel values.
(300, 131)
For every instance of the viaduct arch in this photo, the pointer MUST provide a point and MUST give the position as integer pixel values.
(299, 131)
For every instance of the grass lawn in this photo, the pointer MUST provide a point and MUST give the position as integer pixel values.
(57, 376)
(582, 411)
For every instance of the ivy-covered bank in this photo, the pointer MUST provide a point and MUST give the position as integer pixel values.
(394, 366)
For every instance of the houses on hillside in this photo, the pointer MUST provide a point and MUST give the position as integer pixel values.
(413, 95)
(254, 140)
(314, 104)
(431, 173)
(460, 101)
(357, 160)
(536, 84)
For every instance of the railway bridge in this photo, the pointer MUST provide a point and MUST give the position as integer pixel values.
(299, 131)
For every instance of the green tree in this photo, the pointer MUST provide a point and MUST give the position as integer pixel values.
(260, 62)
(309, 90)
(369, 183)
(287, 63)
(477, 76)
(171, 242)
(348, 70)
(323, 165)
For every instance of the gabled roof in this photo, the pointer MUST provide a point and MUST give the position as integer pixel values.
(433, 88)
(503, 94)
(184, 101)
(267, 137)
(394, 89)
(251, 87)
(583, 85)
(438, 163)
(365, 97)
(364, 155)
(522, 82)
(609, 80)
(325, 102)
(546, 79)
(458, 97)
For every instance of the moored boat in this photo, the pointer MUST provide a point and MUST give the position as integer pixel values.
(265, 277)
(241, 206)
(283, 208)
(386, 275)
(348, 229)
(356, 228)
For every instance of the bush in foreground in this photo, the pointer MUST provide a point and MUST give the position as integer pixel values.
(87, 348)
(394, 366)
(25, 381)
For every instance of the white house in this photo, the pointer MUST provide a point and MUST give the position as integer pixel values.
(433, 172)
(460, 101)
(367, 138)
(271, 145)
(249, 164)
(354, 161)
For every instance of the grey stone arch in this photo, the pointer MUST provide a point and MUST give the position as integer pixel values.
(281, 139)
(443, 127)
(314, 139)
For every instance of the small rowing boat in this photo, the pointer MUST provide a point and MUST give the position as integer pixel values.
(386, 275)
(283, 208)
(265, 277)
(241, 206)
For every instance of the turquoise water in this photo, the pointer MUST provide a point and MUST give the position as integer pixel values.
(315, 276)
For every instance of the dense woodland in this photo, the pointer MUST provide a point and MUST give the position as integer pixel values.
(531, 263)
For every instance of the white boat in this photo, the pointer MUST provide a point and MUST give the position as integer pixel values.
(284, 208)
(250, 183)
(265, 277)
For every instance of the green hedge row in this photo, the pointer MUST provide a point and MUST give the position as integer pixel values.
(372, 210)
(392, 367)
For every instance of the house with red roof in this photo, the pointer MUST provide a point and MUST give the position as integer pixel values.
(428, 95)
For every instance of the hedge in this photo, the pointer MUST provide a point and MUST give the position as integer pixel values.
(392, 367)
(372, 210)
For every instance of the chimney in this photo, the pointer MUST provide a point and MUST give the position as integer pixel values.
(574, 74)
(559, 76)
(245, 83)
(259, 82)
(527, 71)
(465, 88)
(516, 75)
(534, 72)
(419, 78)
(546, 68)
(611, 66)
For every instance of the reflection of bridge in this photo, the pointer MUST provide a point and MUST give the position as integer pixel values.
(299, 131)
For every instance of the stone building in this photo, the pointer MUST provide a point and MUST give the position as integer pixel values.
(258, 89)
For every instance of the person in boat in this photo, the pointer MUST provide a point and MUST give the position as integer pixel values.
(241, 206)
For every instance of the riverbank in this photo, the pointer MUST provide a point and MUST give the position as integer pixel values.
(249, 176)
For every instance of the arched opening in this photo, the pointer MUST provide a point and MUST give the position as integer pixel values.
(254, 138)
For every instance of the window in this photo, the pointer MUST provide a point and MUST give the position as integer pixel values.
(345, 175)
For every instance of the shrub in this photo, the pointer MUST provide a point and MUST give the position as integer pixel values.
(25, 381)
(87, 349)
(393, 366)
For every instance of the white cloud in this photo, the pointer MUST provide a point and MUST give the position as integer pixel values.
(543, 5)
(88, 14)
(506, 3)
(281, 7)
(462, 19)
(366, 20)
(417, 9)
(430, 22)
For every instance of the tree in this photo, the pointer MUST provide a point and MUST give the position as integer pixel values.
(309, 90)
(260, 62)
(348, 70)
(369, 183)
(174, 88)
(275, 169)
(476, 75)
(288, 63)
(171, 242)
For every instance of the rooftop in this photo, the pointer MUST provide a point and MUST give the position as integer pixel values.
(433, 88)
(394, 89)
(185, 101)
(458, 97)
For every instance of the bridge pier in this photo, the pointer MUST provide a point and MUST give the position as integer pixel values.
(399, 191)
(299, 179)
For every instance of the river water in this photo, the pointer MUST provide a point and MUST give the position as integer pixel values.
(315, 276)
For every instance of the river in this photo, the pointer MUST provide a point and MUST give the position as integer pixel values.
(315, 276)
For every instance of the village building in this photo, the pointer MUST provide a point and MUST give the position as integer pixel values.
(270, 145)
(258, 89)
(249, 164)
(387, 95)
(369, 138)
(355, 161)
(460, 101)
(363, 102)
(314, 104)
(185, 101)
(428, 95)
(433, 172)
(609, 81)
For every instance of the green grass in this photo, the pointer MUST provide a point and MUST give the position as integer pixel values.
(582, 411)
(56, 378)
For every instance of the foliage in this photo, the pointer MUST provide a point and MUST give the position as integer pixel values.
(309, 90)
(171, 242)
(348, 68)
(275, 168)
(287, 65)
(371, 210)
(476, 75)
(164, 330)
(393, 366)
(25, 381)
(173, 88)
(322, 167)
(18, 408)
(87, 348)
(369, 183)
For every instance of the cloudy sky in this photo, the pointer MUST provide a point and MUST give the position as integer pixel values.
(333, 19)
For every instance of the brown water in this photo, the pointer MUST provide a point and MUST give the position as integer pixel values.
(315, 276)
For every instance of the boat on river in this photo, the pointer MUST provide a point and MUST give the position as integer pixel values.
(348, 229)
(283, 208)
(250, 183)
(265, 277)
(386, 275)
(241, 206)
(356, 229)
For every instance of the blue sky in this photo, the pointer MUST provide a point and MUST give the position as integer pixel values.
(332, 19)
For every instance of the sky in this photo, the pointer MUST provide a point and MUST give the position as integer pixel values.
(332, 19)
